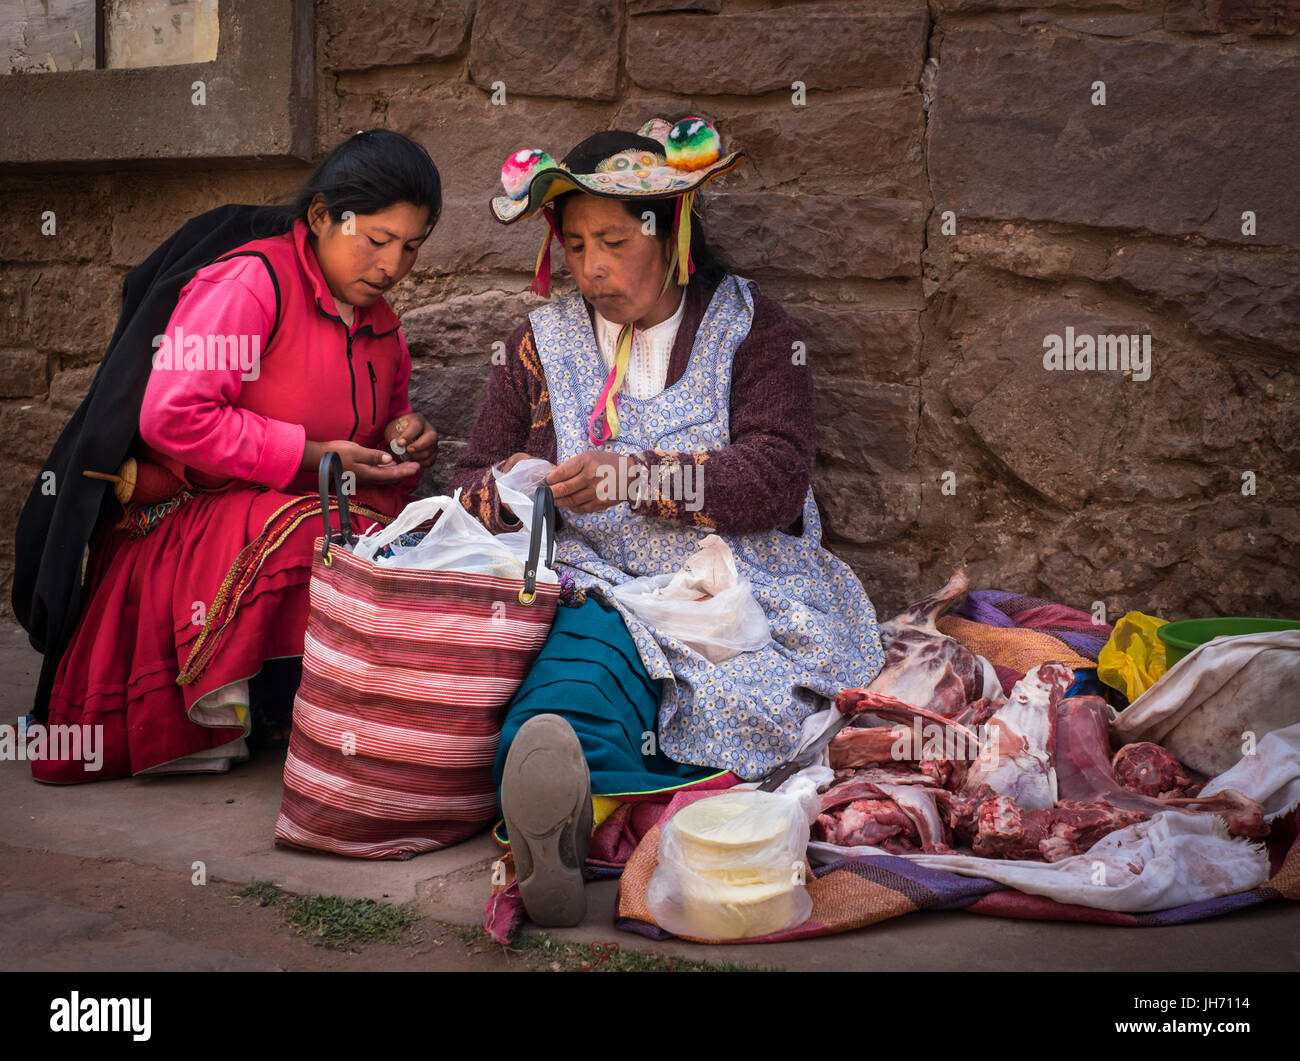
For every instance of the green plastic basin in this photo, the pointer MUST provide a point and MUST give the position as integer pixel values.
(1183, 636)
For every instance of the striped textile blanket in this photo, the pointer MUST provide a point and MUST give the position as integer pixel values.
(1010, 647)
(1018, 611)
(860, 891)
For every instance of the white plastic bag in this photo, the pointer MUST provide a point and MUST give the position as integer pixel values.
(515, 490)
(732, 866)
(705, 605)
(457, 542)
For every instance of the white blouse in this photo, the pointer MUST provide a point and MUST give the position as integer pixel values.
(647, 369)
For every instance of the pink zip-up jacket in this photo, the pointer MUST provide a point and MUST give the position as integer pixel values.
(235, 395)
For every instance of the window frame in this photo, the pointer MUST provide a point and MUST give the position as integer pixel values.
(260, 101)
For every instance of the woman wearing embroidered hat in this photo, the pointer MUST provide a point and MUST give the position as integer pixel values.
(662, 369)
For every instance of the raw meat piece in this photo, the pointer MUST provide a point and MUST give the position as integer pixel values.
(857, 746)
(1019, 764)
(864, 822)
(956, 736)
(1151, 770)
(1243, 816)
(892, 709)
(962, 811)
(887, 774)
(1045, 787)
(850, 792)
(872, 816)
(927, 668)
(979, 712)
(1082, 759)
(1084, 774)
(941, 772)
(918, 803)
(1008, 831)
(870, 783)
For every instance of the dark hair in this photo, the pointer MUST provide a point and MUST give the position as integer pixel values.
(365, 174)
(708, 266)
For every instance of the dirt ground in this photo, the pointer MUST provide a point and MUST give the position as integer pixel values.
(63, 913)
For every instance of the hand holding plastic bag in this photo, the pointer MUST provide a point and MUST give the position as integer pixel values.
(705, 605)
(515, 490)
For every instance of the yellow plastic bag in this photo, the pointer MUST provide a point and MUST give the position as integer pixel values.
(1134, 657)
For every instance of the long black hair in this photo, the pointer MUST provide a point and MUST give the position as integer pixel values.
(365, 174)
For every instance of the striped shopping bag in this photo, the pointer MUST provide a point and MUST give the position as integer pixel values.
(405, 676)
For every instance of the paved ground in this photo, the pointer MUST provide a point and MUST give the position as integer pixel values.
(102, 876)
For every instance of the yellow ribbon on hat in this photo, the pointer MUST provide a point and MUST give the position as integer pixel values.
(682, 252)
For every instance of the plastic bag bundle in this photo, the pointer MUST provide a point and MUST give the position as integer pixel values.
(1133, 659)
(456, 542)
(731, 866)
(705, 605)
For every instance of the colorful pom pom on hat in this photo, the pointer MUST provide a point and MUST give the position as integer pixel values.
(661, 160)
(520, 168)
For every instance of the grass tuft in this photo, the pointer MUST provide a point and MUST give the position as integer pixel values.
(541, 951)
(334, 921)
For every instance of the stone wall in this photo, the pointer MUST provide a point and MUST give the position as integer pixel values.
(933, 191)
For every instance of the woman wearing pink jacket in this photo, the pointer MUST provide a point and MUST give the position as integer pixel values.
(277, 352)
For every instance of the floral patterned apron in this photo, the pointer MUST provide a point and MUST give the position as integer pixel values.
(745, 713)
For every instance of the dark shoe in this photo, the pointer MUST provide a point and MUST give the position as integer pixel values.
(271, 695)
(546, 802)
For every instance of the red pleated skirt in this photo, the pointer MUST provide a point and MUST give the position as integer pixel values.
(212, 591)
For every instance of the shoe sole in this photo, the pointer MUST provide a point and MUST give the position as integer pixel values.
(546, 803)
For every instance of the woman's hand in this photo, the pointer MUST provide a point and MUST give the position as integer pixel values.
(589, 482)
(413, 432)
(372, 467)
(512, 460)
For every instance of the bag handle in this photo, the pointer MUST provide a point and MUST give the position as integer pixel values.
(543, 519)
(331, 468)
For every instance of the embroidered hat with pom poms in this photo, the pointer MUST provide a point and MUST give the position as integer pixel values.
(659, 161)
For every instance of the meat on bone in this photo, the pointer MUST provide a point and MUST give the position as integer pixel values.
(1045, 786)
(892, 709)
(1009, 831)
(927, 668)
(867, 823)
(893, 774)
(1084, 773)
(1243, 815)
(1082, 758)
(1019, 763)
(918, 803)
(1151, 770)
(872, 809)
(856, 746)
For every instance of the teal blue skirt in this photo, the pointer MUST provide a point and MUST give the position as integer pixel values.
(589, 673)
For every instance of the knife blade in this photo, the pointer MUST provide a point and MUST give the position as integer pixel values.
(805, 758)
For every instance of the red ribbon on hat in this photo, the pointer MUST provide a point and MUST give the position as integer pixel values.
(541, 284)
